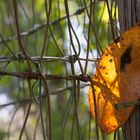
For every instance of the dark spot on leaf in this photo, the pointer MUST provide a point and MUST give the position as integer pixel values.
(110, 60)
(106, 54)
(125, 58)
(106, 73)
(103, 67)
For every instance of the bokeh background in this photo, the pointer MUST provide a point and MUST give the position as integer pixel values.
(57, 40)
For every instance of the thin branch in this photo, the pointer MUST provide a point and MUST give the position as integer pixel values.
(70, 29)
(38, 27)
(36, 75)
(7, 45)
(5, 59)
(41, 111)
(21, 47)
(92, 27)
(48, 107)
(11, 120)
(28, 111)
(111, 20)
(95, 108)
(48, 14)
(89, 36)
(56, 92)
(120, 106)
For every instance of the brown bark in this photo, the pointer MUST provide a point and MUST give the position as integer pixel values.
(129, 15)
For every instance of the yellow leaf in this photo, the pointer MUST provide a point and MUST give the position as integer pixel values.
(117, 80)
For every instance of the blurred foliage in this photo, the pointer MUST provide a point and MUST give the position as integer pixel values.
(69, 106)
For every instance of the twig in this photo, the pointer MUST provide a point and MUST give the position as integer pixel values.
(7, 46)
(28, 112)
(95, 109)
(41, 111)
(56, 92)
(21, 48)
(11, 120)
(38, 27)
(77, 96)
(35, 75)
(6, 59)
(111, 20)
(89, 36)
(120, 106)
(92, 27)
(71, 30)
(48, 107)
(48, 13)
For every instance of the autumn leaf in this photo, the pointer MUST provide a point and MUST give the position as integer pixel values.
(117, 80)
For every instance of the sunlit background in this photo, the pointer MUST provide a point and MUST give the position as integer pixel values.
(69, 42)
